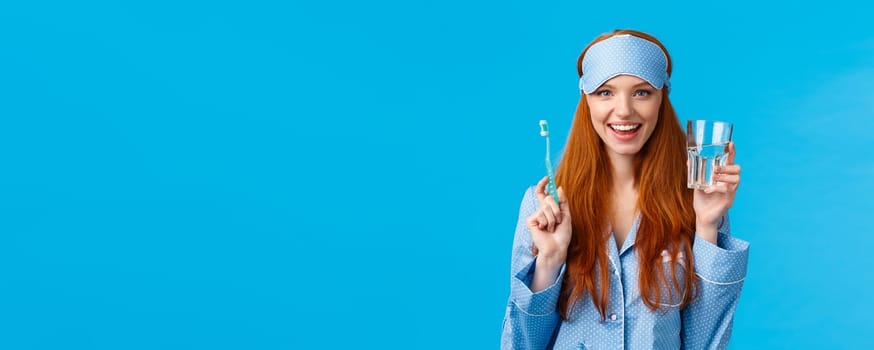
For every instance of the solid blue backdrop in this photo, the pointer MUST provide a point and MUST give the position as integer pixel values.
(271, 175)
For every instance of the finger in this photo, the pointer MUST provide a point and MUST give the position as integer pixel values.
(565, 206)
(550, 217)
(733, 187)
(730, 152)
(541, 187)
(546, 193)
(532, 222)
(549, 200)
(536, 221)
(728, 169)
(542, 221)
(728, 179)
(555, 209)
(717, 188)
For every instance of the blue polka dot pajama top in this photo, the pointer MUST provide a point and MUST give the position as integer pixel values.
(532, 320)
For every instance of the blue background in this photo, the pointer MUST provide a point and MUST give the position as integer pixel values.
(347, 174)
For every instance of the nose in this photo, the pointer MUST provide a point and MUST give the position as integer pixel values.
(622, 109)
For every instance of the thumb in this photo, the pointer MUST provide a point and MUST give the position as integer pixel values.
(563, 202)
(731, 153)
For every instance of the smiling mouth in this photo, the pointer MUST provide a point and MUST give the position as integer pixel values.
(624, 128)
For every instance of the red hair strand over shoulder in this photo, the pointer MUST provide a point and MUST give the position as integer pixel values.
(667, 220)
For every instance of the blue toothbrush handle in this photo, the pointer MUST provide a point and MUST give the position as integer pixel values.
(550, 186)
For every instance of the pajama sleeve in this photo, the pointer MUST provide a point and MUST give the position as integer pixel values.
(720, 270)
(531, 319)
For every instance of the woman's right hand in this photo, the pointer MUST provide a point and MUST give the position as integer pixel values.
(550, 225)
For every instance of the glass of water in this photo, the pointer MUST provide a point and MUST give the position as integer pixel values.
(706, 147)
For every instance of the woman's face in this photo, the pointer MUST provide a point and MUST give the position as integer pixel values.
(624, 112)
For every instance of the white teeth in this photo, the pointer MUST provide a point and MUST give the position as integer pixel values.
(624, 127)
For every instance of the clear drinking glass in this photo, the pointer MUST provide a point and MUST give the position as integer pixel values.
(706, 147)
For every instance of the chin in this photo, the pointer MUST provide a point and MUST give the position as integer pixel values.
(626, 150)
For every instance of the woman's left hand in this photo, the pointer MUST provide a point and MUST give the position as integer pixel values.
(711, 204)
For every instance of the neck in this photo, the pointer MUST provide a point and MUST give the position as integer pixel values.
(623, 172)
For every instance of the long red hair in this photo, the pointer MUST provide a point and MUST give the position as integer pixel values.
(667, 220)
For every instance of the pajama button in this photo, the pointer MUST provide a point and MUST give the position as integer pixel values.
(613, 317)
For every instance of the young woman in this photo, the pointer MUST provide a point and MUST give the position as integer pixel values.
(630, 258)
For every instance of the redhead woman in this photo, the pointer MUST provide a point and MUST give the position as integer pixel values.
(628, 258)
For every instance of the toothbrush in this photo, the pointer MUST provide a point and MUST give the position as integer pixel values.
(544, 131)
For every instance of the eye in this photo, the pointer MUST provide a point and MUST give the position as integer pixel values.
(643, 92)
(603, 92)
